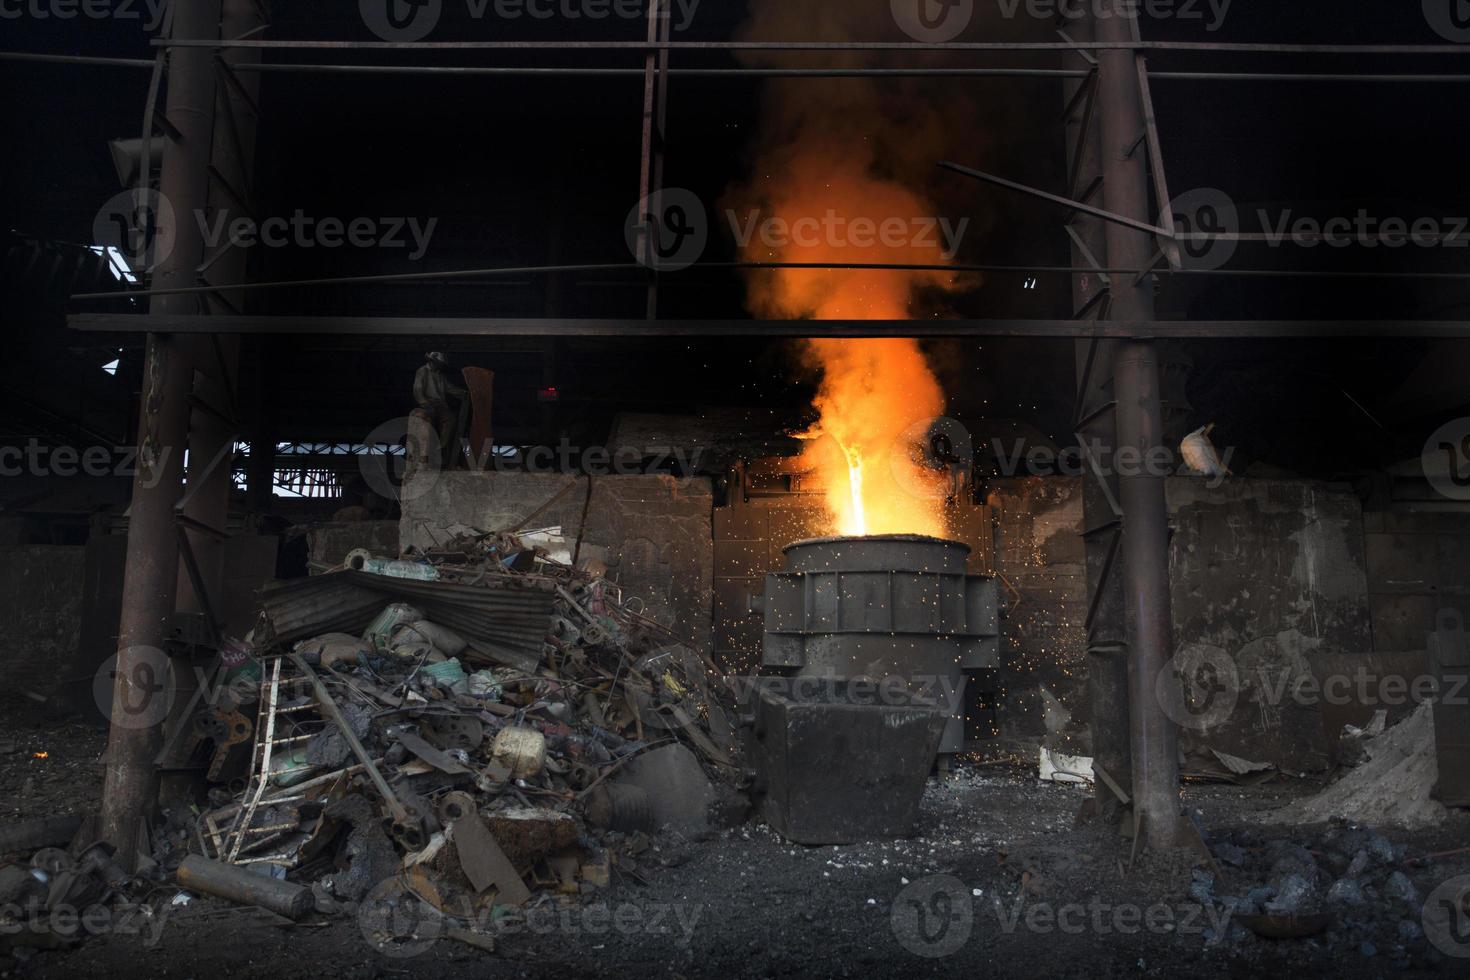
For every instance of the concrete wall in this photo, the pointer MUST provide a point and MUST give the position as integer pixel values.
(1418, 563)
(330, 543)
(40, 605)
(1270, 574)
(1038, 557)
(654, 532)
(1267, 572)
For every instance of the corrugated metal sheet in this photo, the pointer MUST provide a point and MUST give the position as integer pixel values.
(503, 619)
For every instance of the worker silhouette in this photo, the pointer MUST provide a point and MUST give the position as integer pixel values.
(432, 392)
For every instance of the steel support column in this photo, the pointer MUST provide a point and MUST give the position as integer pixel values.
(150, 580)
(1107, 650)
(1144, 549)
(216, 417)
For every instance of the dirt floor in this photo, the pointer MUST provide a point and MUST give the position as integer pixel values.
(1001, 880)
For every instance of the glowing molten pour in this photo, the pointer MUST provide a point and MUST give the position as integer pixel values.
(855, 484)
(875, 400)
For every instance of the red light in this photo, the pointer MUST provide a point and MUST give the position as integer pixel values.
(548, 394)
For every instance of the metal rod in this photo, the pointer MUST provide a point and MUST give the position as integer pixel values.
(1118, 44)
(324, 698)
(76, 59)
(1169, 246)
(416, 277)
(566, 327)
(1138, 421)
(1118, 219)
(757, 72)
(584, 72)
(452, 274)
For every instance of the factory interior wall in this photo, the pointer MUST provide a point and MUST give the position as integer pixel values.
(1269, 575)
(1283, 577)
(41, 606)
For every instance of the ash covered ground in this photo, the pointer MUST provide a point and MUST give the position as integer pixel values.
(1001, 878)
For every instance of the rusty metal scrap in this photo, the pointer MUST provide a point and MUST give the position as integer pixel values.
(549, 680)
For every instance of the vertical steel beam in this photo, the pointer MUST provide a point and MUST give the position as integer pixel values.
(655, 119)
(214, 421)
(1107, 650)
(1145, 517)
(211, 437)
(150, 580)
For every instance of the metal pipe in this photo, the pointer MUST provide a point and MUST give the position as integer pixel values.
(130, 790)
(1111, 44)
(1139, 427)
(459, 274)
(245, 887)
(753, 72)
(568, 327)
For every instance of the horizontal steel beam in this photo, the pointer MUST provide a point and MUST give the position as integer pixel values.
(1221, 47)
(753, 72)
(367, 326)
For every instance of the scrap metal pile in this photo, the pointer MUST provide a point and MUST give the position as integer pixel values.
(481, 727)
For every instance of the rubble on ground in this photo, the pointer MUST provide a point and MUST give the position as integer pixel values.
(479, 730)
(1392, 788)
(1344, 888)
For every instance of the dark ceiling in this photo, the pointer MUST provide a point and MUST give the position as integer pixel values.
(523, 171)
